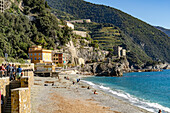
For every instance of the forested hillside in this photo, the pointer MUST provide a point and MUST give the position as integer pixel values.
(18, 32)
(136, 33)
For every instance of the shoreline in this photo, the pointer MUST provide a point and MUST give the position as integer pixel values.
(111, 96)
(66, 92)
(145, 105)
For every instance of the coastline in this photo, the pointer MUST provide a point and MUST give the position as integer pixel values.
(64, 97)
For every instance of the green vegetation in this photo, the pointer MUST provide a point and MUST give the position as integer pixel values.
(18, 32)
(108, 36)
(62, 15)
(140, 38)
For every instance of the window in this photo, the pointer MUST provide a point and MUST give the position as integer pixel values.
(35, 54)
(31, 54)
(39, 58)
(31, 58)
(30, 49)
(35, 58)
(39, 54)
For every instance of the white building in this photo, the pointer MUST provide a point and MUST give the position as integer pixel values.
(119, 51)
(2, 6)
(70, 25)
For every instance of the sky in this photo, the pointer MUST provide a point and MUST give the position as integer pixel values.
(154, 12)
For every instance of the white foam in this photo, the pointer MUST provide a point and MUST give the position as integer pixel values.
(90, 83)
(105, 88)
(152, 107)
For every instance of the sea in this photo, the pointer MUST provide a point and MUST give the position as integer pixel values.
(147, 90)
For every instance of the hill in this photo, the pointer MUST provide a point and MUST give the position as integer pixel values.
(35, 25)
(166, 31)
(143, 36)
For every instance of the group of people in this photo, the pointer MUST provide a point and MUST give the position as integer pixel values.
(11, 70)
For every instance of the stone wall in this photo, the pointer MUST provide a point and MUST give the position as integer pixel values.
(4, 88)
(81, 33)
(20, 100)
(31, 75)
(20, 97)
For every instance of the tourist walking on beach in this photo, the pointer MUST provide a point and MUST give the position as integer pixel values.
(19, 71)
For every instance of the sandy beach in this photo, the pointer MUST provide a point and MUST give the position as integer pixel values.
(53, 95)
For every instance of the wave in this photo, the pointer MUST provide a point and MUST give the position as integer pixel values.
(149, 106)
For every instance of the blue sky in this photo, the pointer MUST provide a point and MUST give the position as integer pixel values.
(154, 12)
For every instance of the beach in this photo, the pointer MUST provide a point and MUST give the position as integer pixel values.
(53, 95)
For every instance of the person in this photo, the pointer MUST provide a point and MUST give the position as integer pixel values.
(78, 80)
(2, 68)
(14, 71)
(95, 92)
(73, 82)
(159, 111)
(19, 71)
(7, 69)
(10, 68)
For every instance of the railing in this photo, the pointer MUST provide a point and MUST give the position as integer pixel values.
(26, 71)
(6, 74)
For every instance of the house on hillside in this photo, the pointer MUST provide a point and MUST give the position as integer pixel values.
(69, 24)
(1, 6)
(39, 55)
(119, 51)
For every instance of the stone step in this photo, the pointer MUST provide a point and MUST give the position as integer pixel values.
(8, 107)
(7, 110)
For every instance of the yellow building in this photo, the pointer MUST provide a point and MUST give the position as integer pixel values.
(39, 55)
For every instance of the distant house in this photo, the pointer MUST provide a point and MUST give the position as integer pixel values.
(1, 6)
(119, 51)
(39, 55)
(81, 33)
(58, 58)
(81, 21)
(69, 24)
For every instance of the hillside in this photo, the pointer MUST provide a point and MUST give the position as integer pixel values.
(166, 31)
(143, 36)
(35, 25)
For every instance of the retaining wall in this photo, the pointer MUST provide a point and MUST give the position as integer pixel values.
(4, 88)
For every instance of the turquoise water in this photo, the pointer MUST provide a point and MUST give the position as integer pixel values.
(148, 90)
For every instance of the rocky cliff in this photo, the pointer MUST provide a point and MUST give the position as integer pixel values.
(107, 68)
